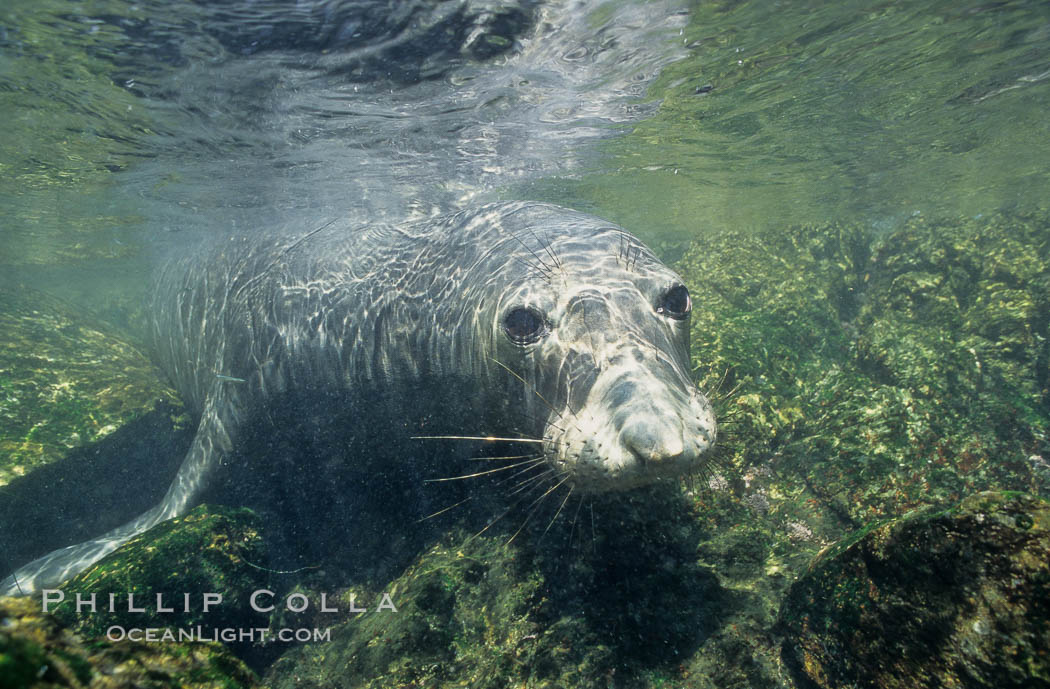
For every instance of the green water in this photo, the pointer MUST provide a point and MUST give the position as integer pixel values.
(782, 113)
(852, 111)
(68, 127)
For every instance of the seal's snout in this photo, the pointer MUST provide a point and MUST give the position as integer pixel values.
(635, 428)
(653, 440)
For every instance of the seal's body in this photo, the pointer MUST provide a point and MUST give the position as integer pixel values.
(565, 332)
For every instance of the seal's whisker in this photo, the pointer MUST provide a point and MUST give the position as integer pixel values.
(484, 438)
(547, 269)
(728, 395)
(446, 509)
(535, 420)
(549, 248)
(502, 514)
(560, 508)
(535, 504)
(518, 473)
(523, 485)
(575, 519)
(721, 381)
(490, 459)
(482, 473)
(544, 275)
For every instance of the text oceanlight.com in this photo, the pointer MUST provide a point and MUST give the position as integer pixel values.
(255, 635)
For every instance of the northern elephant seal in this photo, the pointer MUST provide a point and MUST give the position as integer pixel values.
(516, 320)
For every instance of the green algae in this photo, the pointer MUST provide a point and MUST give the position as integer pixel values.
(21, 661)
(548, 608)
(36, 651)
(884, 371)
(210, 549)
(840, 363)
(66, 381)
(937, 598)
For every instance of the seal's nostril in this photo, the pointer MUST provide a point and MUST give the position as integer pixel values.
(653, 441)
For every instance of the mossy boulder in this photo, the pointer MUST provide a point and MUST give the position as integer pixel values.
(36, 651)
(66, 381)
(879, 371)
(566, 607)
(210, 550)
(956, 598)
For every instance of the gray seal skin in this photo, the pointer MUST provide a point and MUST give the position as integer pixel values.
(565, 331)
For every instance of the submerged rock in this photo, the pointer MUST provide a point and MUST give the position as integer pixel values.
(66, 381)
(617, 601)
(36, 651)
(959, 598)
(209, 550)
(859, 374)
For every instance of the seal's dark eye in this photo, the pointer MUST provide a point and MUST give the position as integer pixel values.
(523, 325)
(675, 303)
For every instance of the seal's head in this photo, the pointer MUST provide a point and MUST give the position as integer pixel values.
(597, 328)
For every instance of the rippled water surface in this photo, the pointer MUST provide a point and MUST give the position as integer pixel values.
(129, 119)
(136, 119)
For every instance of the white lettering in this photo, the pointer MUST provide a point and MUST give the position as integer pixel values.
(211, 599)
(131, 604)
(386, 603)
(89, 603)
(297, 596)
(254, 600)
(48, 598)
(160, 604)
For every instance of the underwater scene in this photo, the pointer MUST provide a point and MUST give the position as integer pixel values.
(559, 344)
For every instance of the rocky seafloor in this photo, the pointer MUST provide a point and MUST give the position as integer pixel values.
(874, 515)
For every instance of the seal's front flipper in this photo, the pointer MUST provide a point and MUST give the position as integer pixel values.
(213, 439)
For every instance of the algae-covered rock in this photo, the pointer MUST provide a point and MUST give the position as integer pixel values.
(209, 550)
(958, 598)
(879, 372)
(37, 652)
(857, 374)
(66, 381)
(574, 606)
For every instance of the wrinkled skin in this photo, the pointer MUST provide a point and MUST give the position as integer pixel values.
(570, 334)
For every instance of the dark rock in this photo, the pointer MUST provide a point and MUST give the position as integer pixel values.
(36, 651)
(958, 598)
(211, 549)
